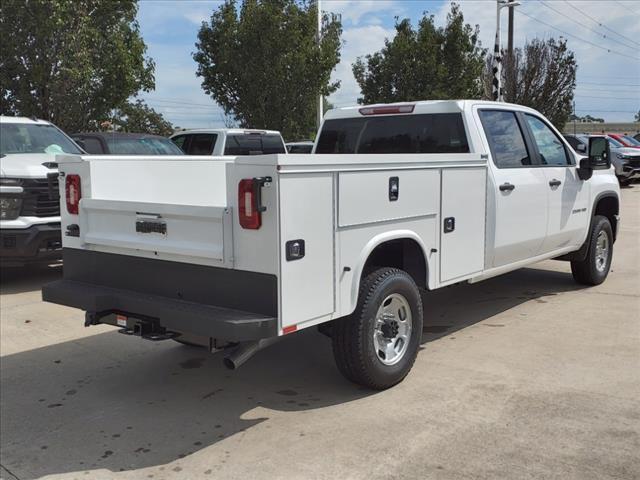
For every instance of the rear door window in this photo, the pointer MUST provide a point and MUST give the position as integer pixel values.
(201, 143)
(253, 144)
(419, 133)
(506, 141)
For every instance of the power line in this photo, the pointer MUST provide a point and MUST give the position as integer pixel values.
(599, 90)
(576, 37)
(614, 85)
(604, 98)
(625, 7)
(597, 22)
(633, 77)
(603, 111)
(600, 34)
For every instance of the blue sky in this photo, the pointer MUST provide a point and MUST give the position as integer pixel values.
(608, 55)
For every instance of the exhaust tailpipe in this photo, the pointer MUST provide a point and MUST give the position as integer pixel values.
(245, 351)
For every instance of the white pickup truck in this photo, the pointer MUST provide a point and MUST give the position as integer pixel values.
(395, 198)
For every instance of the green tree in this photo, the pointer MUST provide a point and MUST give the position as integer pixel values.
(542, 75)
(138, 117)
(637, 117)
(428, 63)
(70, 61)
(263, 65)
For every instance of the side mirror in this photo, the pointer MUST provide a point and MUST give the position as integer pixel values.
(599, 155)
(581, 148)
(598, 158)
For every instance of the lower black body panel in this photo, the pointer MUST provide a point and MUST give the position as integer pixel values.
(216, 302)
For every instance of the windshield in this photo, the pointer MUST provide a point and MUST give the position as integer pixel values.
(631, 140)
(614, 143)
(254, 144)
(34, 138)
(142, 146)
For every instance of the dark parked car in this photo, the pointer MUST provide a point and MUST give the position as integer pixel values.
(119, 143)
(305, 146)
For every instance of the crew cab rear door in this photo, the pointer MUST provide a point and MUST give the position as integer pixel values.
(517, 192)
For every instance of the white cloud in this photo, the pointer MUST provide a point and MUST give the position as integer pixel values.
(358, 41)
(160, 13)
(178, 94)
(353, 11)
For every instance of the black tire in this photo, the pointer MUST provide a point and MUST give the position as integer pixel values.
(589, 271)
(624, 182)
(353, 344)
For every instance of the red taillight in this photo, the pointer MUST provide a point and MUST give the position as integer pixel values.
(248, 206)
(387, 109)
(73, 193)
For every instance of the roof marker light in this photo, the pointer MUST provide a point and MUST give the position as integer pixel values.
(386, 109)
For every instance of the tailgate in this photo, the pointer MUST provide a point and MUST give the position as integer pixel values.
(166, 208)
(203, 232)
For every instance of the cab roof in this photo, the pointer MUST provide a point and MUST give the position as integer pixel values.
(423, 106)
(32, 121)
(226, 130)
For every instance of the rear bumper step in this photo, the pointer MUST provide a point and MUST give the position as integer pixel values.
(168, 314)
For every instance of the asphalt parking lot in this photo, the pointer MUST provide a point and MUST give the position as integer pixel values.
(528, 375)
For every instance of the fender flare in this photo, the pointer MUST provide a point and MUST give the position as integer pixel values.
(581, 253)
(370, 246)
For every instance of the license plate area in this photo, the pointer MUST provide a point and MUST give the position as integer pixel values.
(151, 226)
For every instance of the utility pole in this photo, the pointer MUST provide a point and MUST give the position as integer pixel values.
(510, 40)
(497, 52)
(319, 36)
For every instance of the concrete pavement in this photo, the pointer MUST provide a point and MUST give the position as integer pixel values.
(528, 375)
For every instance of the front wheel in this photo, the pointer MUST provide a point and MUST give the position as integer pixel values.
(593, 270)
(377, 345)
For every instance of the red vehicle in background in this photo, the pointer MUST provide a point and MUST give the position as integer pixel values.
(626, 140)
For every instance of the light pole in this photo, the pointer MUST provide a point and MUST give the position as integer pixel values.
(320, 99)
(497, 53)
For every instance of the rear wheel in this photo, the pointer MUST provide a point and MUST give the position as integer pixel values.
(593, 270)
(377, 345)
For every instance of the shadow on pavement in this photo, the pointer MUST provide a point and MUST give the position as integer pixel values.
(28, 278)
(120, 403)
(453, 308)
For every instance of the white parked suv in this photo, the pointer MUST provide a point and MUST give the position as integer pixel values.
(230, 142)
(394, 199)
(29, 198)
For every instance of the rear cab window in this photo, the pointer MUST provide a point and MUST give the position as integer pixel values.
(414, 133)
(254, 143)
(200, 143)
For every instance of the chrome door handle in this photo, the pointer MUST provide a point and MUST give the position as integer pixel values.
(555, 183)
(506, 187)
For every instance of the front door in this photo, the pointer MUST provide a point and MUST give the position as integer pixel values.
(567, 194)
(518, 192)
